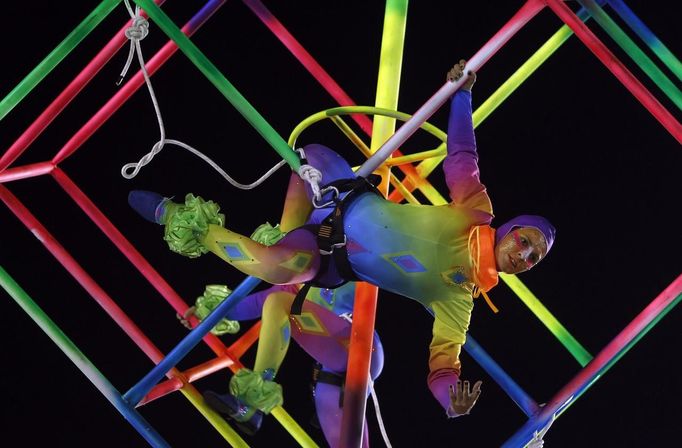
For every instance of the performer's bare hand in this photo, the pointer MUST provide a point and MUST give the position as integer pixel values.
(184, 318)
(463, 400)
(456, 72)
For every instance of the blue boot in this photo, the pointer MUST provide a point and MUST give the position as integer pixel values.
(233, 408)
(150, 205)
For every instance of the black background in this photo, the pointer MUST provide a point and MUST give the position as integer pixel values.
(571, 143)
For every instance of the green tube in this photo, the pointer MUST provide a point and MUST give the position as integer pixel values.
(221, 83)
(637, 55)
(528, 298)
(56, 56)
(80, 360)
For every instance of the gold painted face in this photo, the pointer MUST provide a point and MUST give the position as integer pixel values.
(520, 250)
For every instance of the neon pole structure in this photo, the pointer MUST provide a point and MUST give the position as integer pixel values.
(178, 380)
(622, 39)
(664, 54)
(617, 68)
(80, 360)
(56, 56)
(365, 304)
(325, 80)
(632, 333)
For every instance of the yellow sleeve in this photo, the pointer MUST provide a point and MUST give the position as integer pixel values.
(450, 325)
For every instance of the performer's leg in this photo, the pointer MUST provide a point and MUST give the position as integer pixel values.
(275, 332)
(254, 392)
(329, 414)
(196, 227)
(325, 336)
(251, 307)
(294, 259)
(297, 205)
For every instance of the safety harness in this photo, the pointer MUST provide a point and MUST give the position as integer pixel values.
(331, 238)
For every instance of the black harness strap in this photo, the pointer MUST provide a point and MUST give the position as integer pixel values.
(320, 376)
(331, 238)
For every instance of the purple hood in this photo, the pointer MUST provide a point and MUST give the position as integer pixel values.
(538, 222)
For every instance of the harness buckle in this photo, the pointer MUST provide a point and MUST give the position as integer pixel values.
(333, 246)
(325, 190)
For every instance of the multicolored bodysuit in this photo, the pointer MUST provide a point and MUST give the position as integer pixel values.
(437, 255)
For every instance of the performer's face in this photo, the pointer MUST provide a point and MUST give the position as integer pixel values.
(520, 250)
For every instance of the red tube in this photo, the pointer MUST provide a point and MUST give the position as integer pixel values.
(129, 251)
(80, 274)
(26, 171)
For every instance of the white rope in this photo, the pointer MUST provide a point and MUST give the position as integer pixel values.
(313, 176)
(375, 399)
(137, 31)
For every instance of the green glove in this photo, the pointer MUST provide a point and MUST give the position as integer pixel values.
(267, 235)
(209, 301)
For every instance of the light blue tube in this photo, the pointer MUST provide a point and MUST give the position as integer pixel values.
(522, 400)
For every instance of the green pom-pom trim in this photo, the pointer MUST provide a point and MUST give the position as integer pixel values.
(252, 389)
(209, 301)
(267, 235)
(184, 223)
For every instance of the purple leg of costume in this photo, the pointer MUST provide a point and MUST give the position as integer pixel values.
(331, 350)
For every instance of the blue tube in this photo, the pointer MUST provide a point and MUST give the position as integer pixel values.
(644, 33)
(138, 391)
(522, 400)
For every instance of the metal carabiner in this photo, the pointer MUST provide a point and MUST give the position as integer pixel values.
(324, 191)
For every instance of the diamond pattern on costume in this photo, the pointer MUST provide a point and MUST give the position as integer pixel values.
(286, 334)
(406, 262)
(456, 276)
(236, 252)
(299, 262)
(309, 323)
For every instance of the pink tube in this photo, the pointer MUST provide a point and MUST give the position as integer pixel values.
(617, 68)
(307, 60)
(26, 171)
(80, 275)
(64, 98)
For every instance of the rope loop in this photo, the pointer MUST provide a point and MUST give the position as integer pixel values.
(139, 29)
(313, 176)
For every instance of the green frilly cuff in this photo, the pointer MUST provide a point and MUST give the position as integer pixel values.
(267, 235)
(209, 301)
(252, 389)
(185, 223)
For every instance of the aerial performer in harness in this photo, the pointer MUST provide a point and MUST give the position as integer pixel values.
(441, 256)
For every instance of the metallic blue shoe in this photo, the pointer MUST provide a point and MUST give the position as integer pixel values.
(150, 205)
(233, 408)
